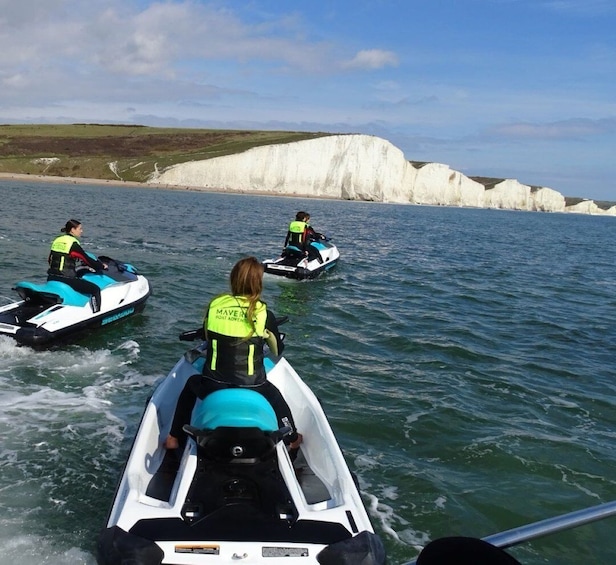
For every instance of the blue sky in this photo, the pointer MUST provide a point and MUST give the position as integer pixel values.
(522, 89)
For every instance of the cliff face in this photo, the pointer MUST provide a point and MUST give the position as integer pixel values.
(358, 167)
(353, 167)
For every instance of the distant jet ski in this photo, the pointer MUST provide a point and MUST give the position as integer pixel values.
(233, 493)
(54, 312)
(293, 264)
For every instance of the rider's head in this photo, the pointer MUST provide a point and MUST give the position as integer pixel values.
(70, 226)
(247, 278)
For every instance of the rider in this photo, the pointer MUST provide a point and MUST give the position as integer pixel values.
(66, 255)
(237, 325)
(301, 235)
(312, 235)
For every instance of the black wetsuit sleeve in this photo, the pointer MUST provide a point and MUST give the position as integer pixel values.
(272, 326)
(78, 253)
(314, 235)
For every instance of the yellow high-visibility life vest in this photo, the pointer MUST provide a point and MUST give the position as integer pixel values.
(296, 233)
(235, 346)
(59, 259)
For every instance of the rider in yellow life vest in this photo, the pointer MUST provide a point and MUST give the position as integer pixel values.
(237, 326)
(296, 236)
(300, 236)
(235, 346)
(66, 255)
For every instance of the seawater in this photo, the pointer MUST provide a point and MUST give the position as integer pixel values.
(465, 359)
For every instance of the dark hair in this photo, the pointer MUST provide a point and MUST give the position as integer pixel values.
(70, 225)
(301, 216)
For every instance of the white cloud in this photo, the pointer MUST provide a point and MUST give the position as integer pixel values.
(160, 39)
(372, 59)
(566, 129)
(16, 80)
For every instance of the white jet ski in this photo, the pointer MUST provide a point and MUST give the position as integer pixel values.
(53, 312)
(232, 494)
(293, 264)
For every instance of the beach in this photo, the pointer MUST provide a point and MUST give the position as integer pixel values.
(67, 180)
(132, 184)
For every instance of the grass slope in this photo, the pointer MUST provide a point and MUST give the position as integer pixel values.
(121, 152)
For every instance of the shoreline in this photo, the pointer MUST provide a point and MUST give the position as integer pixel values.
(66, 180)
(21, 177)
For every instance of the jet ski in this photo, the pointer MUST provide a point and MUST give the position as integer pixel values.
(294, 264)
(53, 312)
(234, 493)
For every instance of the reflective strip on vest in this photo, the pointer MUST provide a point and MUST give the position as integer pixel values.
(214, 354)
(250, 365)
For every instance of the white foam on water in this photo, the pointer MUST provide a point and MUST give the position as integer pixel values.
(9, 349)
(391, 523)
(64, 416)
(387, 517)
(36, 550)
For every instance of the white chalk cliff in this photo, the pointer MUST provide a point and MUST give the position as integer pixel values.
(359, 167)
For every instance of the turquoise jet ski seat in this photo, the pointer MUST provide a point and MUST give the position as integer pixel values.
(99, 279)
(54, 292)
(292, 251)
(235, 408)
(318, 245)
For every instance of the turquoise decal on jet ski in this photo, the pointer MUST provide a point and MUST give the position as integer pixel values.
(118, 316)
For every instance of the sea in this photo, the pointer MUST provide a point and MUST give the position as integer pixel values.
(464, 357)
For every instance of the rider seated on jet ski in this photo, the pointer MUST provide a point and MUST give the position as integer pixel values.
(301, 235)
(68, 262)
(236, 326)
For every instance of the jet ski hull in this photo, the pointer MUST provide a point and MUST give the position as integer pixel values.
(53, 313)
(293, 265)
(191, 506)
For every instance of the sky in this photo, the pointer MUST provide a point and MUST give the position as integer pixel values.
(521, 89)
